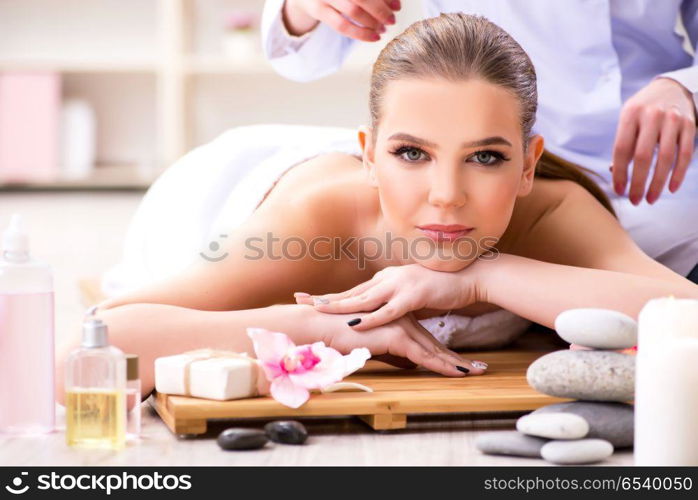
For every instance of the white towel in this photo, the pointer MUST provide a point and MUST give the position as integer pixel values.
(217, 186)
(487, 331)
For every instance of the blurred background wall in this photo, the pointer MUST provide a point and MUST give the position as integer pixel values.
(140, 82)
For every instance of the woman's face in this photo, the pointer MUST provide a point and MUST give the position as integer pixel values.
(448, 154)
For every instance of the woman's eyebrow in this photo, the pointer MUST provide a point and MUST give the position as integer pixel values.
(488, 141)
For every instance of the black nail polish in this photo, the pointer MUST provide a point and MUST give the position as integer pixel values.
(354, 321)
(463, 369)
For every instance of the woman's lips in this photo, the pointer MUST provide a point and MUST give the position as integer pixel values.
(439, 232)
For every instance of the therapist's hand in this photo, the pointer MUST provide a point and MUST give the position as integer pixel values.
(397, 290)
(660, 116)
(300, 16)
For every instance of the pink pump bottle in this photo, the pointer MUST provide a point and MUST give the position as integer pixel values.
(27, 399)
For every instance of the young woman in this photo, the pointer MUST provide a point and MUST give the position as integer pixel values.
(453, 205)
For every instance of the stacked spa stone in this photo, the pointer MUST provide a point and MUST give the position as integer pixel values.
(601, 380)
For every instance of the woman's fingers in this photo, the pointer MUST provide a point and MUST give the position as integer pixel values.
(408, 347)
(363, 302)
(427, 341)
(302, 298)
(398, 361)
(305, 298)
(367, 301)
(352, 292)
(390, 311)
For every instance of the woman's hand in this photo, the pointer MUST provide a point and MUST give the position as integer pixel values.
(662, 116)
(395, 291)
(403, 342)
(300, 16)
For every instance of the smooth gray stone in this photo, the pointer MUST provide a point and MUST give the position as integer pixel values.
(242, 439)
(613, 422)
(286, 431)
(597, 328)
(590, 375)
(556, 425)
(510, 443)
(576, 451)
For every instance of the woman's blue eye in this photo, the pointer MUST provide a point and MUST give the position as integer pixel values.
(412, 154)
(409, 154)
(488, 157)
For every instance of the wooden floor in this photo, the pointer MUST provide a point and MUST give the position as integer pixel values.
(80, 234)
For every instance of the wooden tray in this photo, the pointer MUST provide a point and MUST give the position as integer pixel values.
(397, 393)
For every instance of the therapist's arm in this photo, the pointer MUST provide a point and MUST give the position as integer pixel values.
(661, 116)
(303, 46)
(688, 77)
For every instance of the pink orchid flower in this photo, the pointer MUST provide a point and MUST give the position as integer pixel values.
(294, 370)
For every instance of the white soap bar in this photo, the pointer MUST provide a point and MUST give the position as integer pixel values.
(223, 378)
(172, 372)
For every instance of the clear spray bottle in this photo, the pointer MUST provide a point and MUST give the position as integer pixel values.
(27, 394)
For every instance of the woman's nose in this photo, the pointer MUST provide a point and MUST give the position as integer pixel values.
(446, 189)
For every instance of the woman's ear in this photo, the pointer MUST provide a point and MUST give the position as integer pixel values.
(536, 145)
(366, 142)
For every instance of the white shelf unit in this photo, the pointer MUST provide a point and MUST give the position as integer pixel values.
(160, 83)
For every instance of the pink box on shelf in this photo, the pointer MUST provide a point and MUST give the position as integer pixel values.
(30, 105)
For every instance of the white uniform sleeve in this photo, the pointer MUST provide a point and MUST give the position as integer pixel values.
(313, 55)
(688, 77)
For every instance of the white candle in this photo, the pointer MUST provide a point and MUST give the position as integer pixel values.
(666, 383)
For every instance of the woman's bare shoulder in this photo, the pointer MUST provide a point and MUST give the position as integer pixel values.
(333, 186)
(568, 226)
(536, 216)
(547, 194)
(319, 173)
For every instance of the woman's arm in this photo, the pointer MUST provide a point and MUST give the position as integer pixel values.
(575, 255)
(578, 255)
(154, 330)
(540, 290)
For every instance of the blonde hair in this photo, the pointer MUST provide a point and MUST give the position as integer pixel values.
(458, 47)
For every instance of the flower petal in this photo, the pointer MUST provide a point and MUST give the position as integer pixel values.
(329, 370)
(315, 379)
(270, 347)
(287, 393)
(355, 359)
(272, 370)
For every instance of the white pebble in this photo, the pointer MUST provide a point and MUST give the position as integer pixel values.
(597, 328)
(553, 425)
(579, 451)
